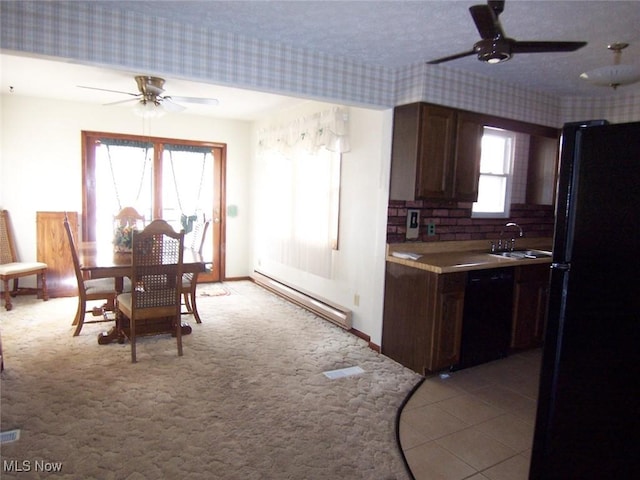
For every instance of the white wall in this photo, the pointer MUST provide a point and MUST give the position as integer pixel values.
(358, 267)
(40, 167)
(40, 162)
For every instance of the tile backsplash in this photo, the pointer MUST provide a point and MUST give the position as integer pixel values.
(453, 221)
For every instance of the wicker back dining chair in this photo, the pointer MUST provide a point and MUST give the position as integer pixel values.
(190, 280)
(12, 269)
(91, 290)
(157, 264)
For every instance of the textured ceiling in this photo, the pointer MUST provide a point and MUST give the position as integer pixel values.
(399, 33)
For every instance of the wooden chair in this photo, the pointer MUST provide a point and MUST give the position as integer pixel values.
(156, 279)
(190, 280)
(12, 269)
(90, 290)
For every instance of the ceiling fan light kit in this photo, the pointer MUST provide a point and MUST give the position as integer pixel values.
(613, 75)
(147, 109)
(493, 51)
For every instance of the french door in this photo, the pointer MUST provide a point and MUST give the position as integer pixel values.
(179, 181)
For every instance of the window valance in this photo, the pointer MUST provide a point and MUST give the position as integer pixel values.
(329, 129)
(175, 147)
(122, 142)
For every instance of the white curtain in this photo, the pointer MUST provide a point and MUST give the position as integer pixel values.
(299, 186)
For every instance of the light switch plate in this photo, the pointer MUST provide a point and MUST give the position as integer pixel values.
(413, 224)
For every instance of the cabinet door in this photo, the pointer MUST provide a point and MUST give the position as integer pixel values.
(434, 176)
(407, 325)
(467, 158)
(447, 332)
(404, 151)
(541, 170)
(531, 291)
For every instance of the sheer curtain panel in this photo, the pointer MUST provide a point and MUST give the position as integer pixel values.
(299, 188)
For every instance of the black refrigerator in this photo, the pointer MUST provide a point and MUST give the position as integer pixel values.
(587, 421)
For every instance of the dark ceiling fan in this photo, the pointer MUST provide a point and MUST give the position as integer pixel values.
(495, 46)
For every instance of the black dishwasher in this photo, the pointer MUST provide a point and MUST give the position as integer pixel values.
(486, 324)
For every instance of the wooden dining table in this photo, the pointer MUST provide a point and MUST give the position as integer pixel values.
(98, 260)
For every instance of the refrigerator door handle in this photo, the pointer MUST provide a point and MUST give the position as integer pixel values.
(565, 267)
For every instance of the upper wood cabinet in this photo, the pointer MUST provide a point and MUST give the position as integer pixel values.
(542, 170)
(469, 131)
(435, 153)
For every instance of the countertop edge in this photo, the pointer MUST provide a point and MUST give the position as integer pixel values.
(461, 256)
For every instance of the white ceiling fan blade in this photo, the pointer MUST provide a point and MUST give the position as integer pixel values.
(170, 106)
(198, 100)
(107, 90)
(128, 100)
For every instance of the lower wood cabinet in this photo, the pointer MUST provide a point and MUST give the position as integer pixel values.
(422, 323)
(447, 331)
(423, 314)
(530, 295)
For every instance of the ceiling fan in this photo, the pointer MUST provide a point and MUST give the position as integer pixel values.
(495, 46)
(150, 96)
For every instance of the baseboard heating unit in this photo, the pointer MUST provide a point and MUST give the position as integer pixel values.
(321, 307)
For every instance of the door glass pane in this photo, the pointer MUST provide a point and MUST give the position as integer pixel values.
(187, 188)
(123, 179)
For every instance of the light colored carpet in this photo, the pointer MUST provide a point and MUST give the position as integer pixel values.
(248, 400)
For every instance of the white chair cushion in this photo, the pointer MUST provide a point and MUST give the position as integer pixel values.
(124, 301)
(16, 268)
(105, 285)
(100, 285)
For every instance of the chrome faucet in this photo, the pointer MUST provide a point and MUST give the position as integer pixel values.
(511, 244)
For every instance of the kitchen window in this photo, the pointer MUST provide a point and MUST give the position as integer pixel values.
(496, 167)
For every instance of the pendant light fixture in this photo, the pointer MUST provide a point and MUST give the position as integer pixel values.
(616, 74)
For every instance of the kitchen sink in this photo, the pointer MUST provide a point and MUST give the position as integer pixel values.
(522, 254)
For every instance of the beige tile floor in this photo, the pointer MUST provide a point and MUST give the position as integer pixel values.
(477, 424)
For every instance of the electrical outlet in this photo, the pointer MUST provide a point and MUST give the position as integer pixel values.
(356, 300)
(431, 229)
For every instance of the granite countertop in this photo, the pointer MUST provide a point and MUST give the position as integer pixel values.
(458, 256)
